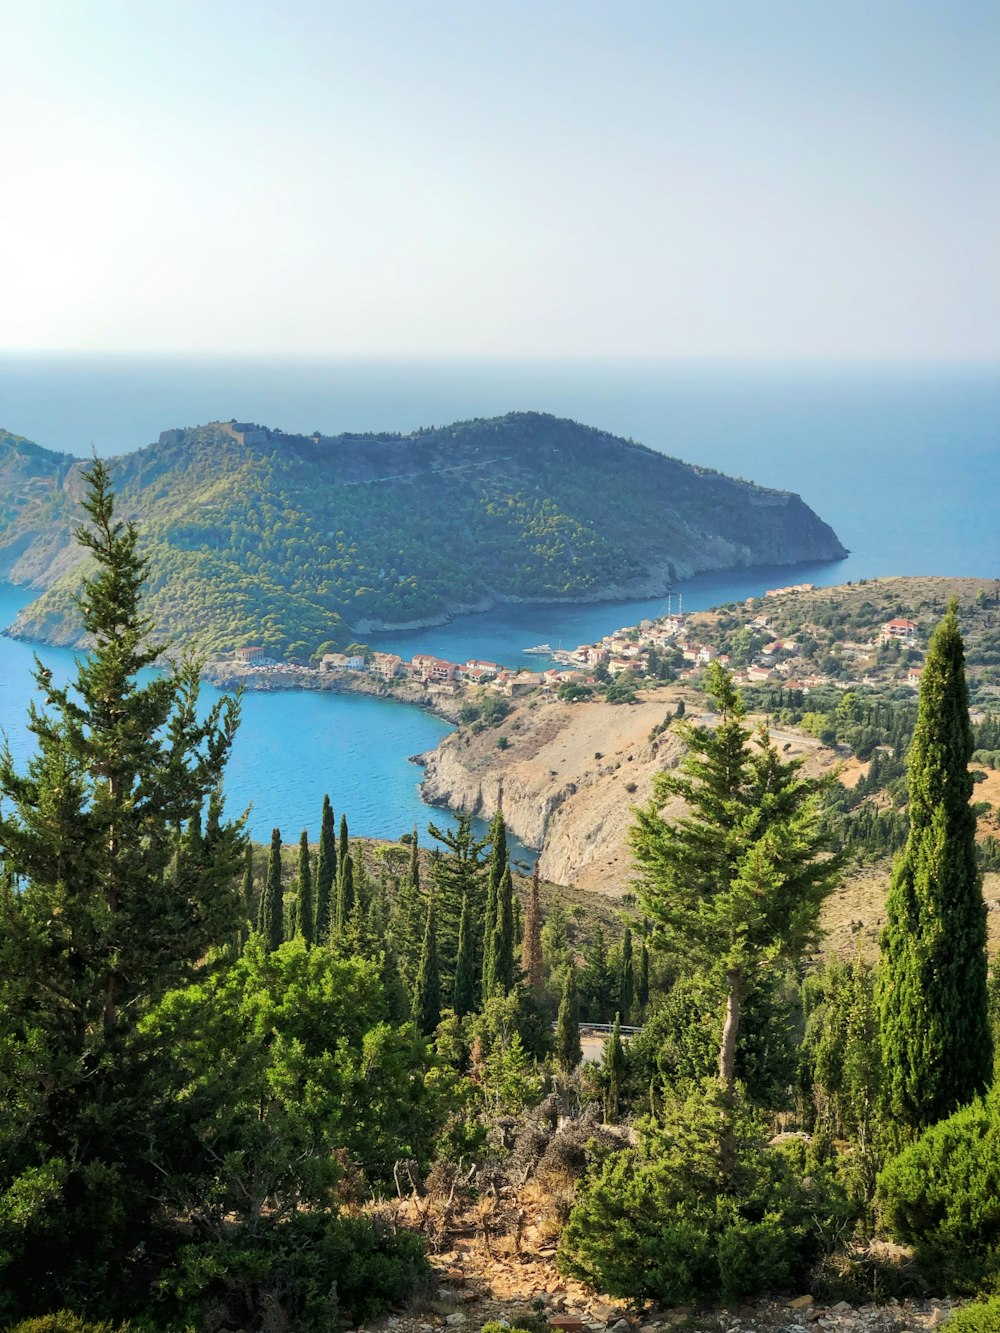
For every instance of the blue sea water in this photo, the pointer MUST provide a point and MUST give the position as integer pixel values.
(904, 463)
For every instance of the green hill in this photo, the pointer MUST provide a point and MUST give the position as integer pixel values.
(290, 541)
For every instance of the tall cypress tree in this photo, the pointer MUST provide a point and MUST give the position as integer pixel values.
(271, 913)
(504, 972)
(426, 1011)
(345, 892)
(531, 953)
(408, 917)
(613, 1068)
(642, 988)
(937, 1051)
(626, 977)
(326, 872)
(464, 993)
(569, 1053)
(344, 846)
(304, 915)
(456, 875)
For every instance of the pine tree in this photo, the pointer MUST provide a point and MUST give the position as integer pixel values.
(426, 1011)
(326, 872)
(937, 1050)
(495, 867)
(597, 984)
(569, 1053)
(613, 1069)
(456, 875)
(736, 883)
(531, 955)
(304, 913)
(626, 977)
(464, 993)
(271, 914)
(99, 917)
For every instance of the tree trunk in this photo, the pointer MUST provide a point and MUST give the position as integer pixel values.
(727, 1068)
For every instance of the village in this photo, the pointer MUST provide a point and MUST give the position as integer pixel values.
(674, 646)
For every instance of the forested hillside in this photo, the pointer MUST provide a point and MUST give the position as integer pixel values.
(290, 541)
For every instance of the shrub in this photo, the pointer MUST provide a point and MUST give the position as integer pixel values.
(979, 1317)
(65, 1321)
(942, 1195)
(661, 1221)
(297, 1274)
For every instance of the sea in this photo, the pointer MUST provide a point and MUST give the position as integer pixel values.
(902, 461)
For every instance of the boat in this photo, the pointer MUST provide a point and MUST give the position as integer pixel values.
(540, 649)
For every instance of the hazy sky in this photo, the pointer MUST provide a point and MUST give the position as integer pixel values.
(749, 178)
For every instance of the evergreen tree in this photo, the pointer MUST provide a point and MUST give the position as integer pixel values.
(597, 983)
(464, 993)
(495, 867)
(344, 847)
(456, 874)
(932, 995)
(531, 954)
(626, 977)
(345, 892)
(326, 872)
(642, 988)
(569, 1053)
(409, 913)
(304, 906)
(426, 1010)
(613, 1070)
(99, 917)
(736, 883)
(248, 894)
(271, 914)
(504, 970)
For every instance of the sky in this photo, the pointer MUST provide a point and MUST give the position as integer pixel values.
(738, 179)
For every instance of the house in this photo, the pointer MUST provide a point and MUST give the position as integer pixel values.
(386, 665)
(478, 669)
(913, 676)
(251, 656)
(756, 675)
(428, 667)
(706, 653)
(900, 628)
(333, 662)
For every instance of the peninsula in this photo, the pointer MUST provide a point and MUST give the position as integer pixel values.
(294, 543)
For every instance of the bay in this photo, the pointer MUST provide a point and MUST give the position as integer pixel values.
(903, 462)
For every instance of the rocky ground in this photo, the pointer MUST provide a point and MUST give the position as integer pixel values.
(472, 1288)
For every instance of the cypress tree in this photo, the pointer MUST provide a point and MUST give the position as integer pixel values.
(504, 974)
(345, 892)
(495, 868)
(326, 872)
(271, 913)
(464, 994)
(455, 875)
(426, 1010)
(642, 989)
(409, 911)
(344, 847)
(568, 1050)
(304, 914)
(531, 953)
(613, 1066)
(937, 1052)
(626, 977)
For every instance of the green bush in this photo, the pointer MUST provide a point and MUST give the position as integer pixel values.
(662, 1222)
(306, 1269)
(979, 1317)
(942, 1196)
(65, 1321)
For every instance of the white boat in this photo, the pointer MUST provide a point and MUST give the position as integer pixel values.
(541, 649)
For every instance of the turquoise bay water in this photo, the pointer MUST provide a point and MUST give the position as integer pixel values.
(903, 463)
